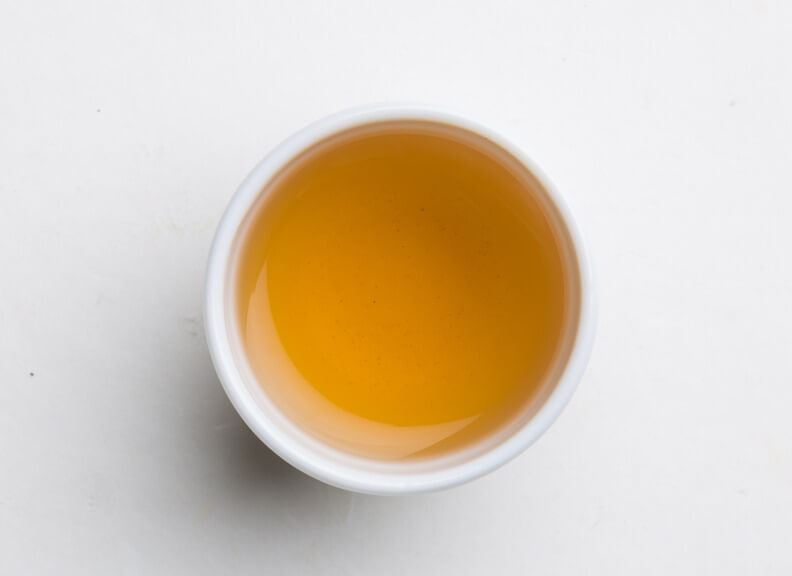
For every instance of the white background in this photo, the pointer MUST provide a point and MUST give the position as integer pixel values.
(125, 127)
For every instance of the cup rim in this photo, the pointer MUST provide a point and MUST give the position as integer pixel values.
(319, 466)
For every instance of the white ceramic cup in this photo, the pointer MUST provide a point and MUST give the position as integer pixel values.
(356, 473)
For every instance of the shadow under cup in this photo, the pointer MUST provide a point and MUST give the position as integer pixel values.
(300, 422)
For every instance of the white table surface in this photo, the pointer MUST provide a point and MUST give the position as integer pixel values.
(125, 127)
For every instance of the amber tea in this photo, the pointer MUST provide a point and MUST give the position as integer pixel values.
(400, 290)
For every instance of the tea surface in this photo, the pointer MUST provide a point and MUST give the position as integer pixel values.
(399, 292)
